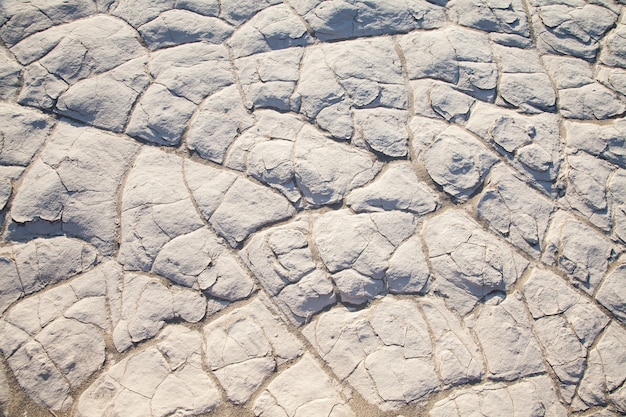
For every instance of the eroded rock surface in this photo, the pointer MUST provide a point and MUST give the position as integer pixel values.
(339, 208)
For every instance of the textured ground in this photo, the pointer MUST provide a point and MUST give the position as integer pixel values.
(312, 208)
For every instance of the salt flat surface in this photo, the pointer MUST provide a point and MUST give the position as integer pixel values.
(312, 208)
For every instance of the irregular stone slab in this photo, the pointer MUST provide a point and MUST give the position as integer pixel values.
(397, 188)
(531, 144)
(156, 207)
(490, 16)
(269, 79)
(383, 130)
(613, 52)
(602, 383)
(161, 380)
(530, 397)
(571, 29)
(283, 262)
(245, 208)
(467, 263)
(612, 78)
(612, 292)
(355, 18)
(106, 100)
(454, 55)
(21, 20)
(72, 187)
(363, 242)
(566, 327)
(458, 162)
(505, 336)
(234, 206)
(515, 211)
(146, 304)
(218, 122)
(275, 27)
(326, 170)
(176, 27)
(16, 124)
(370, 72)
(28, 268)
(194, 71)
(303, 389)
(200, 260)
(587, 191)
(580, 97)
(408, 271)
(605, 141)
(72, 52)
(585, 261)
(9, 75)
(244, 347)
(391, 341)
(55, 352)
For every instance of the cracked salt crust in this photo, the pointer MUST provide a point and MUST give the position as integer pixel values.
(324, 207)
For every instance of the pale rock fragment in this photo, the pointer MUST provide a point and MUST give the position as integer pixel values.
(587, 191)
(239, 11)
(176, 27)
(531, 143)
(383, 130)
(9, 75)
(458, 162)
(363, 242)
(387, 353)
(490, 15)
(356, 288)
(612, 78)
(456, 355)
(455, 55)
(283, 262)
(303, 389)
(325, 170)
(69, 53)
(515, 211)
(370, 72)
(192, 71)
(245, 208)
(438, 100)
(582, 252)
(269, 79)
(72, 187)
(612, 292)
(270, 161)
(57, 351)
(275, 27)
(571, 29)
(580, 96)
(106, 100)
(346, 19)
(244, 347)
(408, 271)
(318, 87)
(613, 52)
(467, 263)
(566, 324)
(20, 20)
(160, 116)
(156, 207)
(40, 89)
(200, 260)
(164, 379)
(28, 268)
(217, 124)
(16, 124)
(604, 377)
(505, 336)
(531, 397)
(397, 188)
(136, 13)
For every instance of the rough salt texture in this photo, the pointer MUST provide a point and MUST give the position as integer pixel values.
(342, 208)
